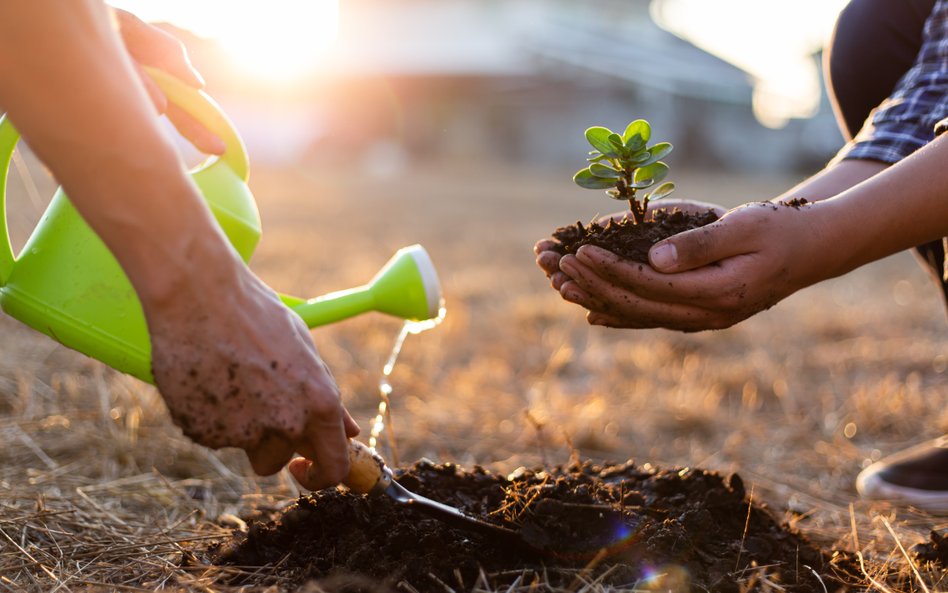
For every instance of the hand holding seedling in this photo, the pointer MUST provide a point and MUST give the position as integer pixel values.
(626, 166)
(759, 253)
(706, 278)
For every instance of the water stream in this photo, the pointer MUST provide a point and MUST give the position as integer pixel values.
(383, 419)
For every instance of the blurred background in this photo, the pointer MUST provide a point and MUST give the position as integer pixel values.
(734, 84)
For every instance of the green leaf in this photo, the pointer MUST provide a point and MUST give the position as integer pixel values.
(599, 157)
(642, 184)
(640, 157)
(640, 127)
(649, 175)
(662, 191)
(635, 143)
(657, 153)
(587, 180)
(616, 141)
(603, 171)
(598, 137)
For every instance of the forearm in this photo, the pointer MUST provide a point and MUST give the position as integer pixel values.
(73, 93)
(901, 207)
(834, 179)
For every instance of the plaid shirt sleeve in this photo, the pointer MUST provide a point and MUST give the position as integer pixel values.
(907, 120)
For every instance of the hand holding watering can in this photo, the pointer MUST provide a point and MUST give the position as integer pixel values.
(233, 360)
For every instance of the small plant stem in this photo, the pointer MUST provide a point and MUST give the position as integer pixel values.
(628, 192)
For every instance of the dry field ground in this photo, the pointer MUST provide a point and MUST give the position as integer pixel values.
(99, 490)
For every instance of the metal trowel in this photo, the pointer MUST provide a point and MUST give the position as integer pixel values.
(368, 474)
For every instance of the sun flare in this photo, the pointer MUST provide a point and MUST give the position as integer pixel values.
(775, 42)
(278, 40)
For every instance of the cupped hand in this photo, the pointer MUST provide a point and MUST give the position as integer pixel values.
(150, 46)
(706, 278)
(549, 260)
(239, 369)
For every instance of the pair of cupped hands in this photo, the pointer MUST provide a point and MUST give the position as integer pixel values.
(241, 370)
(707, 278)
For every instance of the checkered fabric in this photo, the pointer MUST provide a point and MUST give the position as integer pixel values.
(906, 120)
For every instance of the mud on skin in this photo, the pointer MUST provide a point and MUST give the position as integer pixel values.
(217, 388)
(682, 523)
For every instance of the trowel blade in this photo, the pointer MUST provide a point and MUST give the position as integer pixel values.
(450, 515)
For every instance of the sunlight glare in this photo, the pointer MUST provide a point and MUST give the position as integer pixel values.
(774, 41)
(277, 41)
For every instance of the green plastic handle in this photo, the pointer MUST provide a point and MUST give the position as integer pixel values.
(203, 108)
(195, 102)
(8, 140)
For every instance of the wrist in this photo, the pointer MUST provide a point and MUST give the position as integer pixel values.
(845, 237)
(193, 268)
(171, 248)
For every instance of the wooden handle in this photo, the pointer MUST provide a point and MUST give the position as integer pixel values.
(367, 471)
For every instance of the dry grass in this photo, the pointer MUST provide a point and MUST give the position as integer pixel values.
(99, 490)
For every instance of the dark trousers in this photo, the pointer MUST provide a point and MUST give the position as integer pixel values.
(874, 43)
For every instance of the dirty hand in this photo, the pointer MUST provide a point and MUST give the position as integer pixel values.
(237, 368)
(150, 46)
(706, 278)
(549, 260)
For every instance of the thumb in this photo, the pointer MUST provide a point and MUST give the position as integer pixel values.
(696, 248)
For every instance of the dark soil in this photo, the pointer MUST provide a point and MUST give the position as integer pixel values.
(629, 526)
(935, 550)
(627, 239)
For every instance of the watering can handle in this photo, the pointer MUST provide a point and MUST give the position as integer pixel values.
(8, 140)
(201, 107)
(194, 102)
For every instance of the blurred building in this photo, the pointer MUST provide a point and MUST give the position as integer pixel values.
(518, 80)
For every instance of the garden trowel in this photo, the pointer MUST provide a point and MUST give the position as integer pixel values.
(368, 474)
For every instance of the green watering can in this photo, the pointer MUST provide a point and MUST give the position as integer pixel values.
(66, 284)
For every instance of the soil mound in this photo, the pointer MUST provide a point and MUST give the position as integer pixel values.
(625, 525)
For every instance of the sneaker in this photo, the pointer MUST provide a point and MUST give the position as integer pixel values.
(916, 476)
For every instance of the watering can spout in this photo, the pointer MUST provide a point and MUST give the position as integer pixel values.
(406, 287)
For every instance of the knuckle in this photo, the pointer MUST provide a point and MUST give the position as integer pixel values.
(326, 408)
(698, 245)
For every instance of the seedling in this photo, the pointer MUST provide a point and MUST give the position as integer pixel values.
(624, 165)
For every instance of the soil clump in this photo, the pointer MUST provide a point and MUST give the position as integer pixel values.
(935, 550)
(627, 239)
(623, 525)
